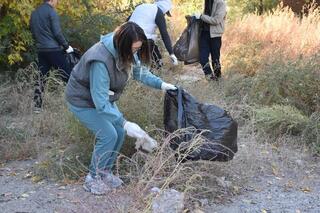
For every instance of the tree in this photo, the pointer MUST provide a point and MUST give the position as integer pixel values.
(241, 7)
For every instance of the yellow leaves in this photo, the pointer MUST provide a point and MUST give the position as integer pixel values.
(305, 189)
(13, 58)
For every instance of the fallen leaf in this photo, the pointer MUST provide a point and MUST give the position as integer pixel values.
(36, 179)
(306, 189)
(62, 188)
(28, 175)
(24, 195)
(13, 174)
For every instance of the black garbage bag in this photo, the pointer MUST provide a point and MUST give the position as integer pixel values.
(186, 48)
(181, 110)
(73, 58)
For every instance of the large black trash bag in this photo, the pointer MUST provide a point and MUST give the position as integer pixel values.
(73, 58)
(187, 47)
(181, 110)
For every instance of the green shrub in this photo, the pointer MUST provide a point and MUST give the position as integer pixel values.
(280, 119)
(311, 134)
(85, 31)
(244, 59)
(237, 86)
(295, 83)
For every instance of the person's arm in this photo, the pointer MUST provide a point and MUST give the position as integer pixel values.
(56, 29)
(31, 26)
(99, 89)
(162, 25)
(142, 74)
(218, 16)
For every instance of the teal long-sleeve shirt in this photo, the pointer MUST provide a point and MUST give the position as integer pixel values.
(100, 86)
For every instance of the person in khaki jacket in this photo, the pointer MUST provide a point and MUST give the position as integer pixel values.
(212, 28)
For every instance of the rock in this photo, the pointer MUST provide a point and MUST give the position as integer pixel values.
(169, 201)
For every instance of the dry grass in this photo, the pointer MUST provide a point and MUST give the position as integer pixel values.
(281, 32)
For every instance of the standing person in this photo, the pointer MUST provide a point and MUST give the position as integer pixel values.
(149, 17)
(50, 43)
(95, 84)
(213, 21)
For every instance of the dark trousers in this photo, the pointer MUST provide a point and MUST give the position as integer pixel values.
(210, 46)
(48, 60)
(156, 56)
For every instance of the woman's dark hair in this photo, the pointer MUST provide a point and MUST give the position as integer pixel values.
(124, 36)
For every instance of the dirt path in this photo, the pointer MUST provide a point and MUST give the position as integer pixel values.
(292, 185)
(19, 193)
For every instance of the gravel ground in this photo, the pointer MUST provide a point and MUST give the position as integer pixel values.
(18, 193)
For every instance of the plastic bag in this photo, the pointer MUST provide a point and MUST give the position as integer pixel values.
(73, 58)
(187, 46)
(181, 110)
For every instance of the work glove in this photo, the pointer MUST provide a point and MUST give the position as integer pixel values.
(134, 130)
(165, 86)
(69, 50)
(146, 143)
(174, 59)
(197, 15)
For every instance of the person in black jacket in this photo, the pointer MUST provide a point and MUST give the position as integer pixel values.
(50, 43)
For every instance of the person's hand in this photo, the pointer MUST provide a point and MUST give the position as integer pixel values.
(69, 50)
(197, 15)
(134, 130)
(146, 143)
(174, 59)
(165, 86)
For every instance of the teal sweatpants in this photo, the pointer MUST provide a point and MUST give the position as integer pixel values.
(109, 139)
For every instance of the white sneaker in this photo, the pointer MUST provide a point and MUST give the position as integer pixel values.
(95, 185)
(112, 180)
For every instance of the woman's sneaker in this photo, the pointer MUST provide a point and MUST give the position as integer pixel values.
(112, 180)
(95, 185)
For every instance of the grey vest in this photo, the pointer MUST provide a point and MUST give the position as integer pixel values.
(78, 87)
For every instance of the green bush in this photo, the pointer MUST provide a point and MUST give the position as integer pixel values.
(237, 86)
(244, 59)
(280, 119)
(86, 30)
(311, 134)
(295, 83)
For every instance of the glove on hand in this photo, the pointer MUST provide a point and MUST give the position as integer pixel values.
(165, 86)
(146, 143)
(69, 50)
(134, 130)
(174, 59)
(197, 15)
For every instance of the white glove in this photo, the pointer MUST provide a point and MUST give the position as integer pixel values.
(146, 143)
(197, 15)
(165, 86)
(134, 130)
(69, 50)
(174, 59)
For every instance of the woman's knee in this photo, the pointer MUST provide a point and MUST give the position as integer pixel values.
(107, 134)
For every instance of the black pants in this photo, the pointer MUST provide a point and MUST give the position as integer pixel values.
(156, 56)
(210, 46)
(48, 60)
